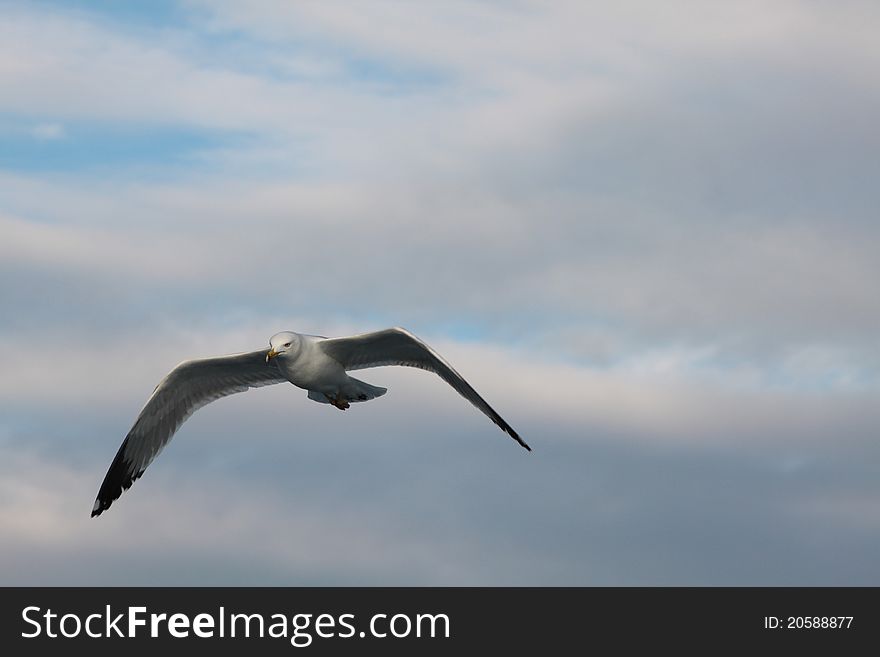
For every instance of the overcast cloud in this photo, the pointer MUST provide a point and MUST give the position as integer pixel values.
(646, 233)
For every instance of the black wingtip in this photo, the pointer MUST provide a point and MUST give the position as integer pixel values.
(513, 434)
(119, 478)
(102, 503)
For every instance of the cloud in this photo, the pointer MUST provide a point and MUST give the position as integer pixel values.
(296, 504)
(47, 131)
(664, 399)
(595, 179)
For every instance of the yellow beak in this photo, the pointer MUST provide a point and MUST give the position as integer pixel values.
(271, 354)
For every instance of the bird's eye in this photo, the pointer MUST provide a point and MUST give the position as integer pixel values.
(286, 344)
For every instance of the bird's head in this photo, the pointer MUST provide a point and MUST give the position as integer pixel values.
(281, 343)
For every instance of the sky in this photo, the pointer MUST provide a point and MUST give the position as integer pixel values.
(645, 232)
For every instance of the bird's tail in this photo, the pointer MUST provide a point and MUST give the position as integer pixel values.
(358, 391)
(354, 391)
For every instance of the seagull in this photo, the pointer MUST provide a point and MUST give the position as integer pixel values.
(312, 362)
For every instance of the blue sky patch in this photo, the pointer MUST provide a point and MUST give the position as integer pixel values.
(156, 13)
(52, 146)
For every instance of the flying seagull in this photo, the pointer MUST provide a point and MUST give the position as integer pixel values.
(311, 362)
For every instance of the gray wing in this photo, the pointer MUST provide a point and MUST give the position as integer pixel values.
(187, 388)
(397, 346)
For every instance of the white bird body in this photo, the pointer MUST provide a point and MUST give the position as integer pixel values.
(306, 366)
(314, 363)
(303, 362)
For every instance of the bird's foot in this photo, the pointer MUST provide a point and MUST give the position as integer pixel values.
(338, 402)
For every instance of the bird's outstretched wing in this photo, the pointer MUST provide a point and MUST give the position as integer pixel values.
(187, 388)
(397, 346)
